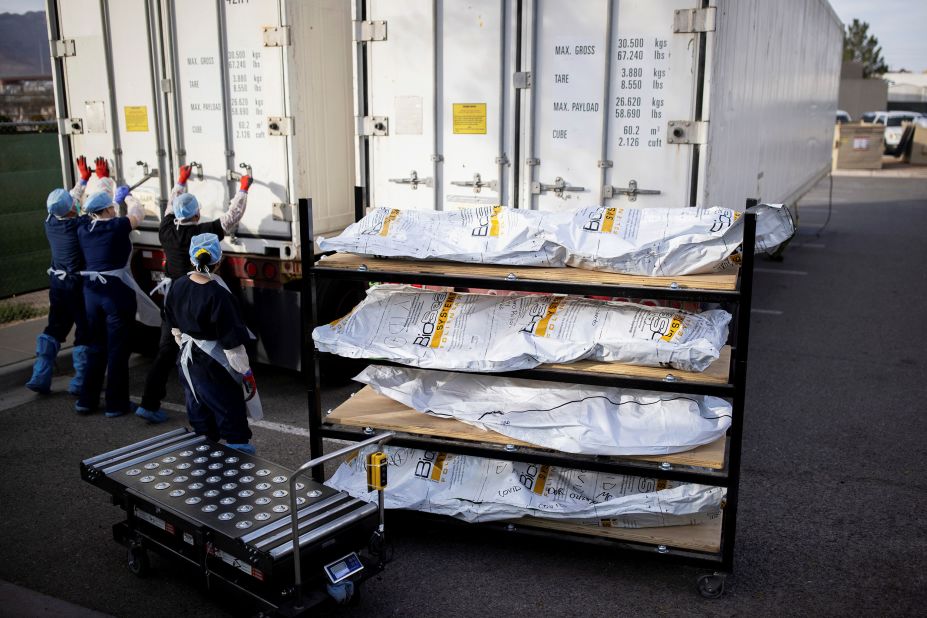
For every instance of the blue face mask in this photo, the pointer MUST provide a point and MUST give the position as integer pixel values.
(185, 206)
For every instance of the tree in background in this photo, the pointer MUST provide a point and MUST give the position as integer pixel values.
(862, 47)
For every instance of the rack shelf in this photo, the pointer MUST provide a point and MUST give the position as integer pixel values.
(721, 286)
(367, 408)
(716, 464)
(701, 538)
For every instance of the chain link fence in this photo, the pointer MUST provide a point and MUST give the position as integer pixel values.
(29, 169)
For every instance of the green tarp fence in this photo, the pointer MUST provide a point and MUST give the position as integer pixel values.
(29, 170)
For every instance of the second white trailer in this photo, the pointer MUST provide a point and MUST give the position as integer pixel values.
(548, 105)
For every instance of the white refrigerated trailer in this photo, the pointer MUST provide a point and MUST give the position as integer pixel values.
(253, 86)
(549, 104)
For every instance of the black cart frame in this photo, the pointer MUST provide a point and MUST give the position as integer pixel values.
(737, 301)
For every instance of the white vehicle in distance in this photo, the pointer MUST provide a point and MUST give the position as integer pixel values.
(843, 117)
(892, 122)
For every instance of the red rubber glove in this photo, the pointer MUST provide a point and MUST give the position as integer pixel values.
(184, 175)
(250, 385)
(102, 167)
(83, 169)
(245, 183)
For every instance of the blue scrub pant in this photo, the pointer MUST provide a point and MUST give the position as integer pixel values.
(110, 315)
(66, 309)
(218, 410)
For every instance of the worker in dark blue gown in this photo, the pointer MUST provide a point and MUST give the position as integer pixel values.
(65, 287)
(112, 299)
(212, 363)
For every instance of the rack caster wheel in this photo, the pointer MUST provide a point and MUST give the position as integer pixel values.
(711, 586)
(137, 559)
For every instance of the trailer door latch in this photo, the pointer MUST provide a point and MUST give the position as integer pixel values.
(608, 191)
(413, 180)
(477, 183)
(559, 187)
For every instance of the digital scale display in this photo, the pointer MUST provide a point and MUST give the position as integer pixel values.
(343, 568)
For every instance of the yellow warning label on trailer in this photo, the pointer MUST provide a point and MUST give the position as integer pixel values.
(136, 118)
(469, 119)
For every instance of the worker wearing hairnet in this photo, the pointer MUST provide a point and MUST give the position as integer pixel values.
(111, 298)
(207, 324)
(65, 287)
(177, 228)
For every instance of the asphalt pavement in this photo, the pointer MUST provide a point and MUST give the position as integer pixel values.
(832, 509)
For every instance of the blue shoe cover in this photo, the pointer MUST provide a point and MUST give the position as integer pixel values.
(46, 350)
(83, 411)
(244, 448)
(158, 416)
(80, 359)
(114, 413)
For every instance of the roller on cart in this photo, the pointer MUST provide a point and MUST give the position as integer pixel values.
(233, 517)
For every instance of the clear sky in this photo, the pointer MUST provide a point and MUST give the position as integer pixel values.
(900, 26)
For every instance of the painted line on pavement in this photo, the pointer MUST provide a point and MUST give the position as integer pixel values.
(263, 424)
(778, 271)
(17, 396)
(766, 311)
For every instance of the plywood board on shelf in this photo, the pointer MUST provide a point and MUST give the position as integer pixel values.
(703, 537)
(367, 408)
(720, 282)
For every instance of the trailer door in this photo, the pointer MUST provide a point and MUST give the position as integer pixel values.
(106, 55)
(229, 109)
(439, 102)
(609, 80)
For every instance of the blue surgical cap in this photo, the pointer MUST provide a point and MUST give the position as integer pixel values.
(59, 203)
(208, 243)
(185, 206)
(98, 201)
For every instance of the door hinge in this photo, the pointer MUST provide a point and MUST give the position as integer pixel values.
(276, 36)
(282, 212)
(167, 85)
(686, 131)
(521, 79)
(372, 125)
(70, 126)
(369, 31)
(62, 48)
(608, 191)
(694, 20)
(280, 125)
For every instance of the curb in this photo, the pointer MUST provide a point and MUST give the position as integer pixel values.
(18, 373)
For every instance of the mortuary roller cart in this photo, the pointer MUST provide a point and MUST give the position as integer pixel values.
(229, 515)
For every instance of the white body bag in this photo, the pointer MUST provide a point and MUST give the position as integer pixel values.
(572, 418)
(481, 332)
(475, 490)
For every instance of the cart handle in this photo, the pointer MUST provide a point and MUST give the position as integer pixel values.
(379, 440)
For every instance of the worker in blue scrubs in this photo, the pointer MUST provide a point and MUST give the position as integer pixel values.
(213, 363)
(65, 287)
(110, 299)
(175, 232)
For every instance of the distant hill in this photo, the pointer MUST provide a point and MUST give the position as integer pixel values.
(23, 44)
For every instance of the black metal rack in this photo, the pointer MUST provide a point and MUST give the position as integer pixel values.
(730, 385)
